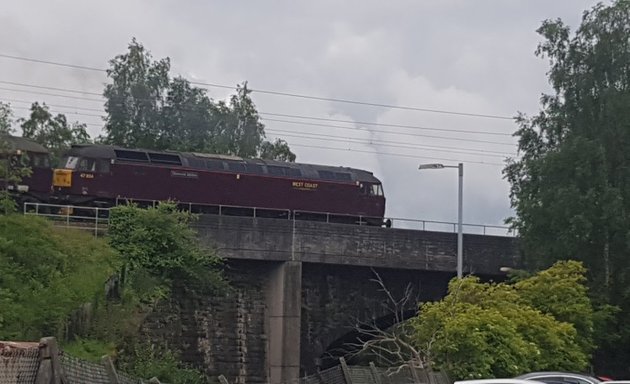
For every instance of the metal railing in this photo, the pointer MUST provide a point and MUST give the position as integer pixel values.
(89, 218)
(406, 223)
(97, 219)
(447, 226)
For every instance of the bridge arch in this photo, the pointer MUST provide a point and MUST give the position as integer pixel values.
(337, 298)
(348, 344)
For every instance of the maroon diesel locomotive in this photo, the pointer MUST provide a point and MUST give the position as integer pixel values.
(101, 175)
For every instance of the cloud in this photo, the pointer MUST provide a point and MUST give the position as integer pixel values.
(449, 54)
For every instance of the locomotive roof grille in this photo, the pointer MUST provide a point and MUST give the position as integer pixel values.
(131, 155)
(164, 158)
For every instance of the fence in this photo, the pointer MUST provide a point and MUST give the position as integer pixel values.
(345, 374)
(91, 218)
(96, 219)
(44, 363)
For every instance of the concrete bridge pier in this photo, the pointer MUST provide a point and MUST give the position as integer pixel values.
(284, 303)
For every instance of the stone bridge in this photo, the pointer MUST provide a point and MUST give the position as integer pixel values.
(299, 288)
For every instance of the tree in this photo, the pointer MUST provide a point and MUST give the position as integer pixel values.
(570, 187)
(568, 303)
(187, 119)
(158, 242)
(392, 346)
(157, 247)
(146, 108)
(135, 98)
(13, 166)
(6, 119)
(53, 132)
(278, 150)
(482, 330)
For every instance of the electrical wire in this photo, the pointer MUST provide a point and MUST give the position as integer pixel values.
(397, 154)
(279, 93)
(384, 124)
(324, 137)
(327, 125)
(282, 114)
(49, 88)
(53, 105)
(397, 133)
(50, 94)
(294, 116)
(384, 143)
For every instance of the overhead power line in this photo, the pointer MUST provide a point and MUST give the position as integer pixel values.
(397, 155)
(279, 93)
(325, 137)
(348, 128)
(53, 105)
(50, 88)
(396, 133)
(284, 114)
(384, 124)
(61, 112)
(49, 94)
(67, 65)
(380, 143)
(471, 151)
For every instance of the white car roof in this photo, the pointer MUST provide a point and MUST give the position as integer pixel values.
(498, 381)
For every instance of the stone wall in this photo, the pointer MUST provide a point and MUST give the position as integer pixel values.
(228, 333)
(219, 333)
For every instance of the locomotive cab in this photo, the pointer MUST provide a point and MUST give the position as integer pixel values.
(62, 177)
(77, 178)
(83, 166)
(371, 189)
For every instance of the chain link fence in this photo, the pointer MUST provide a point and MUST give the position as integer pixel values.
(43, 363)
(19, 362)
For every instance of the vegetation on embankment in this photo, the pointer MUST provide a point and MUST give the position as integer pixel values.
(93, 294)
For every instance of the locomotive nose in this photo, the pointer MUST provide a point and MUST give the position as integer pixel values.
(62, 178)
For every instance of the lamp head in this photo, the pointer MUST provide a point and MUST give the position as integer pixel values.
(431, 166)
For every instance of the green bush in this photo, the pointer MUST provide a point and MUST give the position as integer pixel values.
(482, 330)
(47, 273)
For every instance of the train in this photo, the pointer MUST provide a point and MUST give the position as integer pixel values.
(24, 153)
(104, 176)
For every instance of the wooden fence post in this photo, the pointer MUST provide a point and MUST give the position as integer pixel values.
(375, 374)
(50, 370)
(346, 371)
(414, 373)
(112, 376)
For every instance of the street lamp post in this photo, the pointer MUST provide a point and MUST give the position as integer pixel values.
(460, 203)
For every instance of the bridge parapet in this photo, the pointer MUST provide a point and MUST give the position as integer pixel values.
(366, 246)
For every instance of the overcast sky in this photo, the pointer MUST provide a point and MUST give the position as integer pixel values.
(454, 55)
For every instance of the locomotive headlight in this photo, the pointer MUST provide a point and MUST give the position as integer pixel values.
(62, 178)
